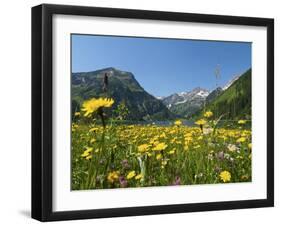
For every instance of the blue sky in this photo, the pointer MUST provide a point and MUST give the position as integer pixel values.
(163, 66)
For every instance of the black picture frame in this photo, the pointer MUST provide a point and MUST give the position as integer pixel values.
(42, 107)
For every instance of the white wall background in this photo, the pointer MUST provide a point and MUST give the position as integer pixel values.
(15, 114)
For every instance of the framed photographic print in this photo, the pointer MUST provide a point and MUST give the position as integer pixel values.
(145, 112)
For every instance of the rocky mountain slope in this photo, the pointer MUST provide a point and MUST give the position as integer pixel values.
(185, 104)
(235, 101)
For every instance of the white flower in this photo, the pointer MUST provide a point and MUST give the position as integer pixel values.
(207, 131)
(232, 147)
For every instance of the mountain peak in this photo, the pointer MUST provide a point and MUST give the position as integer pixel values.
(186, 103)
(226, 101)
(122, 87)
(198, 89)
(109, 70)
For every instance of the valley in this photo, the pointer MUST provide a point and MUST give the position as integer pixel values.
(233, 100)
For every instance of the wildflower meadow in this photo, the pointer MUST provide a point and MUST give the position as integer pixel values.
(109, 154)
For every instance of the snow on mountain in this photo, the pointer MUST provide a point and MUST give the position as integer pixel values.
(202, 93)
(183, 97)
(181, 102)
(159, 97)
(182, 94)
(186, 103)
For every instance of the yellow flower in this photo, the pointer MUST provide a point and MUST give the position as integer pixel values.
(201, 122)
(173, 131)
(158, 156)
(242, 122)
(163, 135)
(87, 152)
(160, 147)
(77, 113)
(208, 114)
(143, 148)
(225, 176)
(113, 176)
(94, 129)
(88, 157)
(241, 140)
(139, 176)
(172, 151)
(74, 127)
(188, 139)
(92, 105)
(93, 140)
(178, 122)
(131, 175)
(250, 145)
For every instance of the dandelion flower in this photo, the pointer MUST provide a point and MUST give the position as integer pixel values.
(241, 140)
(158, 156)
(171, 152)
(92, 105)
(89, 157)
(87, 152)
(160, 147)
(250, 145)
(77, 114)
(94, 129)
(241, 122)
(74, 127)
(143, 148)
(201, 122)
(113, 176)
(163, 135)
(178, 122)
(131, 175)
(93, 140)
(208, 114)
(138, 177)
(225, 176)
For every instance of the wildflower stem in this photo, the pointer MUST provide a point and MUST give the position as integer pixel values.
(100, 112)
